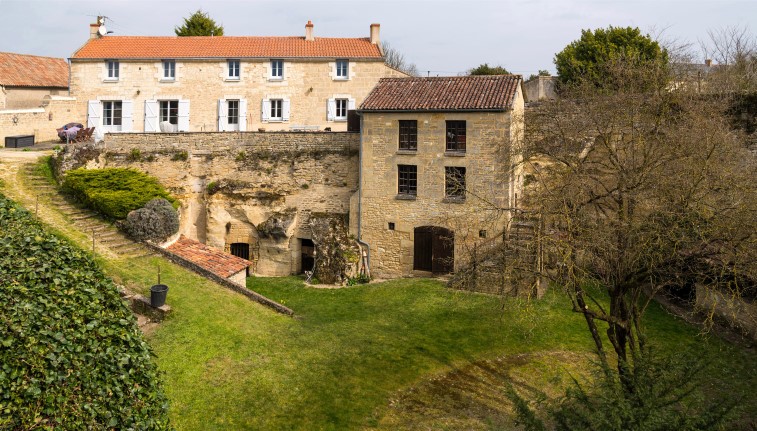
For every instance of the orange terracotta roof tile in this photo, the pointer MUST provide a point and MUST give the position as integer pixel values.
(453, 93)
(20, 70)
(160, 47)
(212, 259)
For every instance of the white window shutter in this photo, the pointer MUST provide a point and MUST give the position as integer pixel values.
(351, 104)
(285, 105)
(151, 115)
(94, 113)
(331, 110)
(223, 114)
(127, 113)
(265, 110)
(183, 115)
(242, 115)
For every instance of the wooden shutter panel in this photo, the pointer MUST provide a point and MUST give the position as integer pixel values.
(151, 115)
(223, 114)
(183, 115)
(94, 113)
(265, 110)
(285, 106)
(127, 113)
(243, 115)
(331, 110)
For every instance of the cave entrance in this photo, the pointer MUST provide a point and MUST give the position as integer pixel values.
(307, 255)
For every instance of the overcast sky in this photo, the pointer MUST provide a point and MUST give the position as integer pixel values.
(442, 37)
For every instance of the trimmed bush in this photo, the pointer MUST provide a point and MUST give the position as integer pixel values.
(156, 221)
(71, 355)
(113, 192)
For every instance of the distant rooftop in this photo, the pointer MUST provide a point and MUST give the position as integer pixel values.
(454, 93)
(21, 70)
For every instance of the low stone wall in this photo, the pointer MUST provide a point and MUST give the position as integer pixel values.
(254, 188)
(40, 122)
(737, 312)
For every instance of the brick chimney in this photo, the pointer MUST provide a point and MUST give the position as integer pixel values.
(309, 31)
(93, 33)
(375, 34)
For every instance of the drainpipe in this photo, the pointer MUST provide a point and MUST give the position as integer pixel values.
(360, 200)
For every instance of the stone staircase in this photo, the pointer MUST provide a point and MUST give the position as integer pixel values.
(106, 235)
(507, 264)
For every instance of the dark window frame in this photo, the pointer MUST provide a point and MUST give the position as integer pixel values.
(454, 182)
(456, 136)
(408, 139)
(407, 180)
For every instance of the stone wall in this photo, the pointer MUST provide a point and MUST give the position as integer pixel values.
(27, 97)
(254, 188)
(307, 83)
(40, 122)
(492, 183)
(540, 88)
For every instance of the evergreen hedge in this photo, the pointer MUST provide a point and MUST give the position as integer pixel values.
(113, 192)
(71, 354)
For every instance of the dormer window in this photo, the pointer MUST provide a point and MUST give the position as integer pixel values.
(113, 70)
(233, 70)
(342, 69)
(277, 69)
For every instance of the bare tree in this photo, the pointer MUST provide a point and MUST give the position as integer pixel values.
(396, 59)
(734, 50)
(641, 191)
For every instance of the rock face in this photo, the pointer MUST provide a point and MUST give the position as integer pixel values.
(243, 192)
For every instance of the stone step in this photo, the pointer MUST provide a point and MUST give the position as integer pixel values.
(87, 216)
(131, 251)
(120, 243)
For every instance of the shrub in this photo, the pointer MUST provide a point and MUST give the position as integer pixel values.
(135, 155)
(155, 222)
(181, 156)
(71, 355)
(113, 192)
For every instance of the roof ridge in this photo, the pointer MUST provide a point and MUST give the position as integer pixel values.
(33, 55)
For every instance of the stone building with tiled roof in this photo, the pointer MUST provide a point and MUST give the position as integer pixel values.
(26, 79)
(440, 169)
(224, 83)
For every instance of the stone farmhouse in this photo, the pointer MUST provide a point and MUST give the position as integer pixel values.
(439, 169)
(226, 83)
(428, 167)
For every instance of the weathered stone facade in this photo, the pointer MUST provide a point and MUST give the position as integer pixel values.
(40, 122)
(251, 188)
(493, 182)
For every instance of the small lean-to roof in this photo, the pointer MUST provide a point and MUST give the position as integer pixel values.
(452, 93)
(20, 70)
(209, 258)
(170, 47)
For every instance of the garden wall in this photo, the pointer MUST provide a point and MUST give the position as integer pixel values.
(253, 188)
(40, 122)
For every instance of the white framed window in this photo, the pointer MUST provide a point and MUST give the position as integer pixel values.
(232, 114)
(275, 109)
(338, 107)
(342, 69)
(113, 70)
(112, 113)
(169, 70)
(169, 111)
(277, 70)
(233, 70)
(232, 111)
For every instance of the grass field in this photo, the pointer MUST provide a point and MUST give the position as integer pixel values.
(403, 354)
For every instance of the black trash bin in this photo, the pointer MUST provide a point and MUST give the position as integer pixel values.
(158, 294)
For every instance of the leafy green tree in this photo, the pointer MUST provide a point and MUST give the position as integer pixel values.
(485, 69)
(599, 55)
(199, 24)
